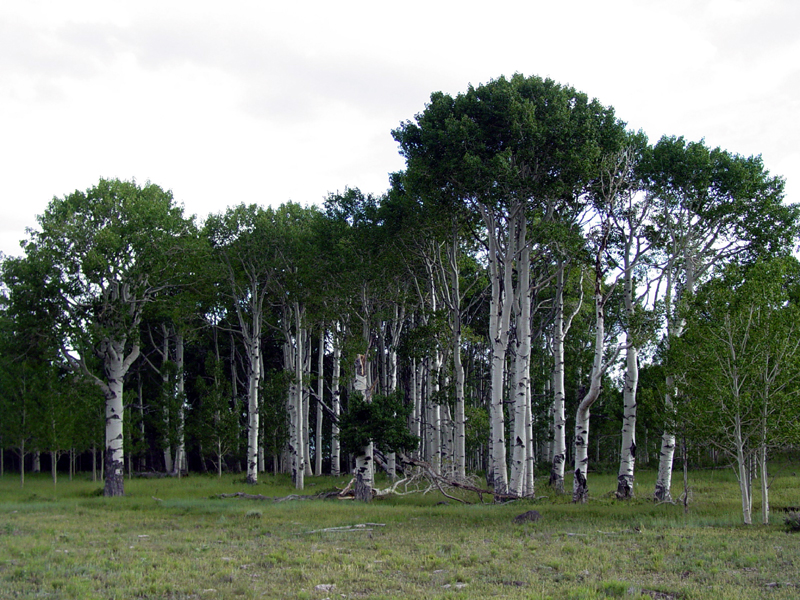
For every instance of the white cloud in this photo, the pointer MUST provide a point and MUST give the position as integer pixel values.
(271, 101)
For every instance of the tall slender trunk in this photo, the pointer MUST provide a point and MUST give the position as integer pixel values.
(299, 455)
(22, 460)
(522, 367)
(561, 326)
(336, 402)
(499, 322)
(625, 475)
(743, 473)
(165, 383)
(559, 415)
(396, 330)
(253, 379)
(180, 451)
(416, 423)
(320, 390)
(528, 489)
(762, 457)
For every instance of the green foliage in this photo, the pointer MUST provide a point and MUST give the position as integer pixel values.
(476, 428)
(382, 421)
(215, 423)
(740, 358)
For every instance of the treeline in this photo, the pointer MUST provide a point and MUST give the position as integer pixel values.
(531, 259)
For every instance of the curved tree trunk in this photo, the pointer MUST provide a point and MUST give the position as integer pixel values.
(580, 488)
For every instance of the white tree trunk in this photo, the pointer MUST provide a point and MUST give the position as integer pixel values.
(743, 473)
(675, 327)
(522, 367)
(336, 402)
(165, 352)
(580, 488)
(764, 485)
(627, 458)
(253, 379)
(364, 467)
(499, 322)
(116, 365)
(180, 465)
(416, 420)
(561, 326)
(302, 431)
(559, 414)
(667, 453)
(320, 390)
(627, 461)
(529, 490)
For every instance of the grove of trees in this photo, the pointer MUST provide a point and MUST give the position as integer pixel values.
(531, 261)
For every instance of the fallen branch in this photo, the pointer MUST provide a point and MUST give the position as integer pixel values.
(347, 528)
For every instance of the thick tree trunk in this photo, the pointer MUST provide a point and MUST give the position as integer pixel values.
(499, 322)
(363, 486)
(675, 327)
(625, 475)
(364, 463)
(116, 365)
(666, 455)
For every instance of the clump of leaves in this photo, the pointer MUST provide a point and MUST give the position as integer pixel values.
(382, 421)
(792, 521)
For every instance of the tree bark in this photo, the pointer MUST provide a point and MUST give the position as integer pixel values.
(580, 488)
(336, 402)
(625, 475)
(522, 367)
(320, 390)
(499, 322)
(364, 463)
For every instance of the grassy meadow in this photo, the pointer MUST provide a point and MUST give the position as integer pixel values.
(171, 538)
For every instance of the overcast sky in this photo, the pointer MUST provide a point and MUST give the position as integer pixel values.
(267, 102)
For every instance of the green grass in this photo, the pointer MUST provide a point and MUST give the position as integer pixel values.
(170, 538)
